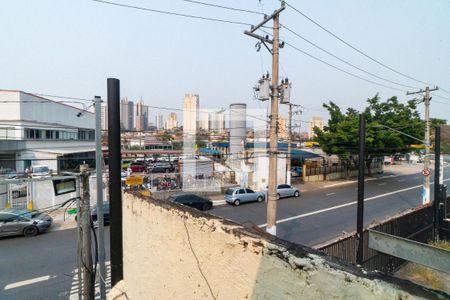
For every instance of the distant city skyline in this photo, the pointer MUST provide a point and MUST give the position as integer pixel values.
(77, 70)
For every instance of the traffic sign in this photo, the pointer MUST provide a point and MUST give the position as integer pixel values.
(133, 180)
(426, 172)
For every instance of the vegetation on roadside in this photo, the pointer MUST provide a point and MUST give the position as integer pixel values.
(427, 276)
(389, 128)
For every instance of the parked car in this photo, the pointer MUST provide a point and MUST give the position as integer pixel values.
(137, 167)
(296, 171)
(239, 195)
(23, 222)
(105, 213)
(162, 168)
(39, 171)
(192, 200)
(286, 190)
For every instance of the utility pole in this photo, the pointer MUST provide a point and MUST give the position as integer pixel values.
(273, 147)
(86, 258)
(437, 181)
(426, 163)
(289, 156)
(360, 209)
(79, 236)
(115, 187)
(99, 177)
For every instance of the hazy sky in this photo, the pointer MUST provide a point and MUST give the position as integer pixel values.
(70, 47)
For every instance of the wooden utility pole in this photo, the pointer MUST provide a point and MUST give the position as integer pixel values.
(86, 257)
(273, 147)
(288, 156)
(426, 163)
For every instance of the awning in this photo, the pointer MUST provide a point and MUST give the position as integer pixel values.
(63, 151)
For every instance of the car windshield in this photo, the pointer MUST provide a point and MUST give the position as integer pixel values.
(229, 192)
(40, 169)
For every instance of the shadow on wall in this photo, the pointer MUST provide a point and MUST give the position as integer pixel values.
(174, 252)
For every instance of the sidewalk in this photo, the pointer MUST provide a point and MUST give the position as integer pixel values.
(389, 171)
(58, 220)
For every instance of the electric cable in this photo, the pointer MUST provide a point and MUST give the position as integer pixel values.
(171, 13)
(225, 7)
(356, 49)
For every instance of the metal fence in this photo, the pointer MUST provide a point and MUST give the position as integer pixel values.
(416, 225)
(310, 171)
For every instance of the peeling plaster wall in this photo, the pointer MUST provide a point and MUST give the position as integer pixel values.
(174, 252)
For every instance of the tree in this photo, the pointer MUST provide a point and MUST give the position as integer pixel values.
(340, 136)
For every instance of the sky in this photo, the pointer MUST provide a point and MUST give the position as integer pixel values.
(70, 48)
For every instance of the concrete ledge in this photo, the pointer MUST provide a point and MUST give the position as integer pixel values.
(175, 252)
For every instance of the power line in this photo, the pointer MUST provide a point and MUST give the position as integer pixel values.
(354, 48)
(172, 13)
(342, 70)
(344, 61)
(225, 7)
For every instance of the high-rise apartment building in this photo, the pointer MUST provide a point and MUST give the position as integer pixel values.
(191, 104)
(104, 112)
(159, 120)
(126, 114)
(141, 116)
(217, 122)
(203, 120)
(282, 128)
(315, 122)
(171, 121)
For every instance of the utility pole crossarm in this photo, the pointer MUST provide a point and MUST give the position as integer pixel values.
(422, 91)
(267, 19)
(258, 37)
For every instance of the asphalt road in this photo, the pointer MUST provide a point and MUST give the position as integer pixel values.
(40, 267)
(321, 214)
(44, 267)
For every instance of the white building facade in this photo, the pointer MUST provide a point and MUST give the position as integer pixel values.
(39, 131)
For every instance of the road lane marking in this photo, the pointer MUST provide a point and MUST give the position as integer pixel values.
(383, 183)
(345, 205)
(329, 194)
(401, 180)
(354, 181)
(27, 282)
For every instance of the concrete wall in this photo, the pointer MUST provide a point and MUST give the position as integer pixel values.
(174, 252)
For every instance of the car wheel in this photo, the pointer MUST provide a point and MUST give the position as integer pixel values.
(30, 231)
(296, 194)
(260, 199)
(206, 206)
(278, 196)
(237, 202)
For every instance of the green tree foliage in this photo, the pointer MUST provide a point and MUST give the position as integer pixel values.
(340, 136)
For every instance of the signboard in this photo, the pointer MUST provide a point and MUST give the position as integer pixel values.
(72, 211)
(64, 186)
(133, 180)
(426, 172)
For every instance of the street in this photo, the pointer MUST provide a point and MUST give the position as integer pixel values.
(41, 267)
(44, 267)
(326, 212)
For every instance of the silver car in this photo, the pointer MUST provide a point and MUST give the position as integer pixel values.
(240, 195)
(286, 190)
(23, 222)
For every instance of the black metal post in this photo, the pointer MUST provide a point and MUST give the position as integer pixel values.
(437, 186)
(115, 188)
(360, 212)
